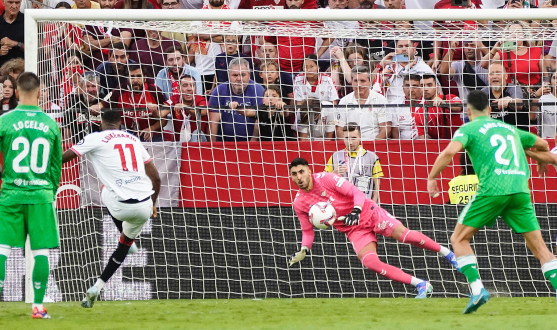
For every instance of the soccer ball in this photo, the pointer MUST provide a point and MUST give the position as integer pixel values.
(322, 215)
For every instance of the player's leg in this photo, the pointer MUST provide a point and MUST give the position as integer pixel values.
(135, 216)
(43, 235)
(5, 251)
(521, 217)
(12, 233)
(479, 212)
(118, 224)
(389, 226)
(365, 245)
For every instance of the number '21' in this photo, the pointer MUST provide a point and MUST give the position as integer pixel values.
(123, 156)
(498, 140)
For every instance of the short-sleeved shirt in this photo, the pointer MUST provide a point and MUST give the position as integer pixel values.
(548, 116)
(497, 153)
(119, 159)
(32, 147)
(403, 119)
(323, 90)
(369, 118)
(233, 125)
(183, 122)
(151, 59)
(13, 31)
(110, 79)
(458, 77)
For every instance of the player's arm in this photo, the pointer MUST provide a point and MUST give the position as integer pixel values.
(444, 159)
(307, 237)
(153, 174)
(68, 156)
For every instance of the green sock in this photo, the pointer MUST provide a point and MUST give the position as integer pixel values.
(549, 270)
(2, 271)
(469, 267)
(40, 277)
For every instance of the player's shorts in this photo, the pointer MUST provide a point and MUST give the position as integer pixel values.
(516, 210)
(37, 220)
(378, 221)
(133, 214)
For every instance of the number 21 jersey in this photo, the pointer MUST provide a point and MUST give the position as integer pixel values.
(32, 148)
(497, 153)
(119, 159)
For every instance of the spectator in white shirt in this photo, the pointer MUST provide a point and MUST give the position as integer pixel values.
(401, 63)
(374, 121)
(314, 85)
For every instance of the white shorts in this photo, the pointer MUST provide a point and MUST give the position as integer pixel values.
(133, 216)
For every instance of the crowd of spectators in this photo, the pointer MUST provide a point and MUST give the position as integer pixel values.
(207, 87)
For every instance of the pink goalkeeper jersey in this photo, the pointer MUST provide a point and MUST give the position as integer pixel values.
(343, 195)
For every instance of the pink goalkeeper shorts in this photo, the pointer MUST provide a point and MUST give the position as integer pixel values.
(378, 221)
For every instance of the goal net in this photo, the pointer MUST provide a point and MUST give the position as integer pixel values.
(225, 99)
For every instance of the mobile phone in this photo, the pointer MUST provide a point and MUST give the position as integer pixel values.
(545, 80)
(515, 1)
(509, 45)
(402, 58)
(459, 3)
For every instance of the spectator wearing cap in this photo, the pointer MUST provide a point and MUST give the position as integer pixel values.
(11, 31)
(374, 121)
(225, 122)
(168, 78)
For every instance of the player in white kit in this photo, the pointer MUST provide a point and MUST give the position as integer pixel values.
(131, 186)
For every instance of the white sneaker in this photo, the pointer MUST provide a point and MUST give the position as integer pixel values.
(90, 297)
(133, 249)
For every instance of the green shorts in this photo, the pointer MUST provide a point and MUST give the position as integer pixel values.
(516, 210)
(37, 220)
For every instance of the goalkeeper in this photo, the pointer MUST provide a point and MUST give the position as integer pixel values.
(496, 151)
(30, 141)
(360, 219)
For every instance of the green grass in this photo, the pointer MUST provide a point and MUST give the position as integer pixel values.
(291, 314)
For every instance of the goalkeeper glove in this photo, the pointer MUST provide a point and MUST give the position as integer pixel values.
(299, 256)
(353, 219)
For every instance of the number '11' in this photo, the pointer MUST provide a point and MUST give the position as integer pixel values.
(123, 156)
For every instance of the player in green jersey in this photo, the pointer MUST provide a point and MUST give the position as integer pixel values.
(498, 157)
(31, 144)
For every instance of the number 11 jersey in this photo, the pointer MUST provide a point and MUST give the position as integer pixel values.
(119, 159)
(497, 153)
(30, 141)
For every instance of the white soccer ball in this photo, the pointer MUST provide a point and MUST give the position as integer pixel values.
(322, 215)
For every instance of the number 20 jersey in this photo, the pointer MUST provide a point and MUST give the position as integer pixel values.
(497, 153)
(119, 159)
(31, 144)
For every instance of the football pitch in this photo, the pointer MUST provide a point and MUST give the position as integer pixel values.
(291, 314)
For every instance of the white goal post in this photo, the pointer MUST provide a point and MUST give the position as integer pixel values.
(436, 220)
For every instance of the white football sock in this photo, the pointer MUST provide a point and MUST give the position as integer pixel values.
(99, 284)
(476, 287)
(415, 281)
(444, 251)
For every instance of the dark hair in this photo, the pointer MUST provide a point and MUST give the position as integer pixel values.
(351, 127)
(13, 99)
(298, 161)
(477, 101)
(466, 165)
(414, 77)
(275, 88)
(172, 49)
(63, 4)
(144, 4)
(111, 117)
(428, 76)
(311, 57)
(135, 67)
(28, 82)
(119, 45)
